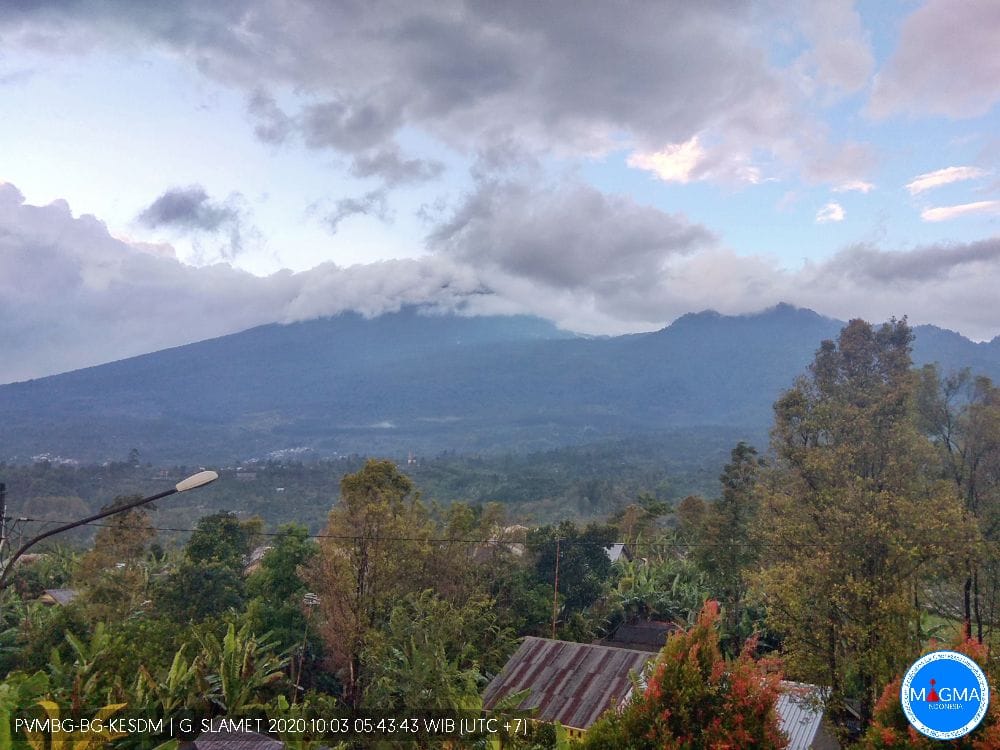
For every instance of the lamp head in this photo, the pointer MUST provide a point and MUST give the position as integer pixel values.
(196, 480)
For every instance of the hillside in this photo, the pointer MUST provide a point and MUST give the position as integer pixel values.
(410, 382)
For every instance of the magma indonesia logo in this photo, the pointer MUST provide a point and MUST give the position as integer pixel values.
(945, 695)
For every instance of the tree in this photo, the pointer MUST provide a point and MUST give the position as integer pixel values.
(112, 573)
(584, 566)
(375, 549)
(277, 587)
(433, 654)
(850, 517)
(727, 547)
(961, 415)
(209, 580)
(694, 699)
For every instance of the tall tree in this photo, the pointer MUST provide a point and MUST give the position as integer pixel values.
(376, 548)
(850, 516)
(727, 548)
(961, 415)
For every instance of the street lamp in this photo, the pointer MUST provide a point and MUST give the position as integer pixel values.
(193, 482)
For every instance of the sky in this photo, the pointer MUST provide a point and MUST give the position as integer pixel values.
(170, 172)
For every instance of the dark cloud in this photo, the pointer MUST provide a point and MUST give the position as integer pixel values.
(372, 203)
(474, 73)
(393, 168)
(924, 264)
(272, 125)
(189, 210)
(568, 236)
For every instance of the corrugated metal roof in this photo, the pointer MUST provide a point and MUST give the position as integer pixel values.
(641, 636)
(60, 596)
(236, 741)
(800, 712)
(572, 683)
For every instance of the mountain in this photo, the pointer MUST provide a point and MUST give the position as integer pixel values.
(426, 383)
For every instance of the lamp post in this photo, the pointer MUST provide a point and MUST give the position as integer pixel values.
(191, 483)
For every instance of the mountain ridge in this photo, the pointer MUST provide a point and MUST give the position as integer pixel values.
(409, 381)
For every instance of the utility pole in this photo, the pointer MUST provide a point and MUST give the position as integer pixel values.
(3, 519)
(555, 592)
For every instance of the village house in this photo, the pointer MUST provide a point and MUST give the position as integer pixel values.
(574, 683)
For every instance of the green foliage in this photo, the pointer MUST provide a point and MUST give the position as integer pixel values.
(431, 653)
(694, 699)
(197, 591)
(17, 691)
(584, 566)
(242, 669)
(672, 588)
(222, 538)
(726, 547)
(852, 523)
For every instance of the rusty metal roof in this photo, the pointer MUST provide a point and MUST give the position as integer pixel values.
(572, 683)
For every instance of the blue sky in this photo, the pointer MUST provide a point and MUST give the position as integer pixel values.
(608, 166)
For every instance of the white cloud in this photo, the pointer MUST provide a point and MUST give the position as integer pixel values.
(946, 62)
(829, 213)
(72, 296)
(840, 55)
(675, 163)
(944, 213)
(945, 176)
(859, 186)
(689, 161)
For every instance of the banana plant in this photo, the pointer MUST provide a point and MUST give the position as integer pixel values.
(91, 740)
(240, 667)
(16, 691)
(183, 686)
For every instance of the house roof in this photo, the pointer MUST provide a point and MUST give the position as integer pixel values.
(617, 551)
(62, 597)
(226, 740)
(800, 712)
(572, 683)
(642, 636)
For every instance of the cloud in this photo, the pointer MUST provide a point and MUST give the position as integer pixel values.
(393, 168)
(353, 76)
(566, 236)
(840, 54)
(924, 264)
(946, 176)
(946, 62)
(944, 213)
(689, 161)
(859, 186)
(272, 125)
(187, 208)
(190, 210)
(71, 295)
(372, 203)
(831, 212)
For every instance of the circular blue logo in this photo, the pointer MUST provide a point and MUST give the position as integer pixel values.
(945, 695)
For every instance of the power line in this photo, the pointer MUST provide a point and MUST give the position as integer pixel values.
(654, 542)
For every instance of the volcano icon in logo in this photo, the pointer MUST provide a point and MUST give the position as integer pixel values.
(945, 695)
